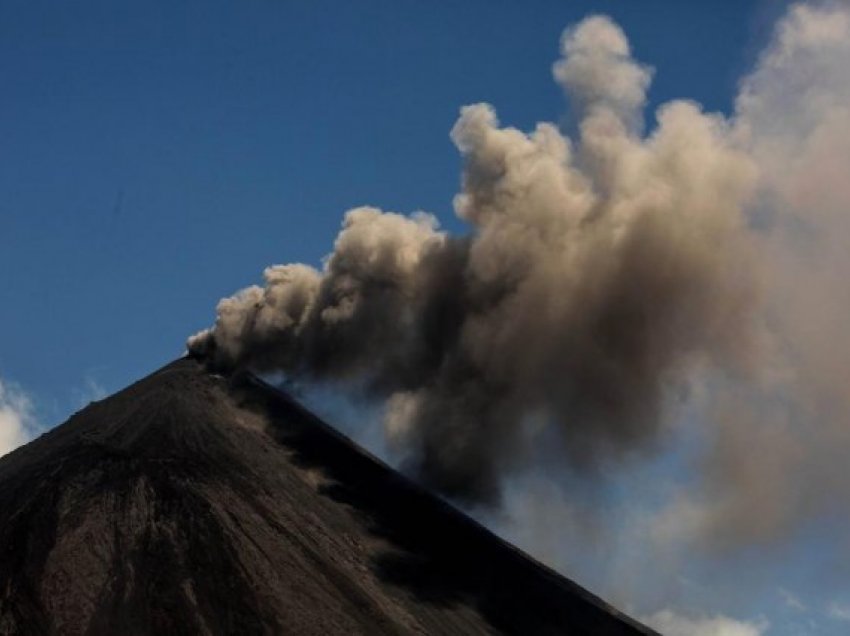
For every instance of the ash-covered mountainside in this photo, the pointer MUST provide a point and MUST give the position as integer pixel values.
(190, 503)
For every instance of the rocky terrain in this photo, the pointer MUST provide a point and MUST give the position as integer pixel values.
(191, 503)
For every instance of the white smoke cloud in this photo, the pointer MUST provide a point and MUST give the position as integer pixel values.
(670, 623)
(17, 422)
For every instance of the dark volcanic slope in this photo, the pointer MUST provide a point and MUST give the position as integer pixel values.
(192, 504)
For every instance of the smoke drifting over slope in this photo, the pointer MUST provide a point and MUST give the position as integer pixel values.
(600, 280)
(592, 279)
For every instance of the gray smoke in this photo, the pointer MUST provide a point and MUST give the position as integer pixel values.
(778, 453)
(594, 278)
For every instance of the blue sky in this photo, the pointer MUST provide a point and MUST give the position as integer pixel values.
(156, 156)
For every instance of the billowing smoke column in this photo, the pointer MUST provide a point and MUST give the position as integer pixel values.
(593, 278)
(598, 282)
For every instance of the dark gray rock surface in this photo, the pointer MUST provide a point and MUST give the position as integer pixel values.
(190, 503)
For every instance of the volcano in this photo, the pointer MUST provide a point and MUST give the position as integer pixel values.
(193, 503)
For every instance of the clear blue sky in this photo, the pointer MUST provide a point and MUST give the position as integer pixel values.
(156, 156)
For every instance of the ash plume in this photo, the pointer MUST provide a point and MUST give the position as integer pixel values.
(777, 454)
(604, 282)
(594, 276)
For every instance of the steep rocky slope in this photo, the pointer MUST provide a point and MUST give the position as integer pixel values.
(190, 503)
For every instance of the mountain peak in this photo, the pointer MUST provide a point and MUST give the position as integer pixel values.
(191, 503)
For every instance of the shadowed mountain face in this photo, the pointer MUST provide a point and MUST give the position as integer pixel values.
(189, 503)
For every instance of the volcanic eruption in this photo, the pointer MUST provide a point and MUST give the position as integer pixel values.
(607, 283)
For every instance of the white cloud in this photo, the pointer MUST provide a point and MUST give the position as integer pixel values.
(839, 611)
(792, 600)
(670, 623)
(91, 391)
(17, 422)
